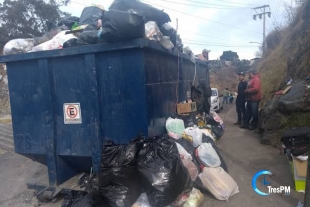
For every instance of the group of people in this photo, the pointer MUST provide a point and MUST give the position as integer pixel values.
(248, 99)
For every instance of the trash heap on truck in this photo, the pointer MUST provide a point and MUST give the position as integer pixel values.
(177, 169)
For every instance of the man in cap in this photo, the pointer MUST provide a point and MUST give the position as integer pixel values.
(240, 101)
(204, 56)
(253, 97)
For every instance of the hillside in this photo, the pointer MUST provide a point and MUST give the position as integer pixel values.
(223, 76)
(286, 64)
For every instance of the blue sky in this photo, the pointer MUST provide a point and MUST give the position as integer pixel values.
(217, 25)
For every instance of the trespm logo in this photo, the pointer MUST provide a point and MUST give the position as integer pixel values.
(286, 190)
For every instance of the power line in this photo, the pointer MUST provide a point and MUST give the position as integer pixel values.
(237, 3)
(221, 5)
(204, 44)
(204, 18)
(207, 7)
(206, 35)
(214, 43)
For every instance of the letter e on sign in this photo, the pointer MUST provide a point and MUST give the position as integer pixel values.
(72, 113)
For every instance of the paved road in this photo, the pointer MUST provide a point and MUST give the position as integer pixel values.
(240, 148)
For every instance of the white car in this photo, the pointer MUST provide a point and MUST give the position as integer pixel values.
(216, 100)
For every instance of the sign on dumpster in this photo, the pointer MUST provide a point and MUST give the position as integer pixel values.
(72, 113)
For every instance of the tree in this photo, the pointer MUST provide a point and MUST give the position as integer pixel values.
(229, 56)
(28, 18)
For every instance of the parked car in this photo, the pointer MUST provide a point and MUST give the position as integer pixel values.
(216, 100)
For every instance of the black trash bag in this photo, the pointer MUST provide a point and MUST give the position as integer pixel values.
(88, 37)
(149, 12)
(69, 22)
(119, 26)
(70, 43)
(206, 139)
(162, 172)
(201, 94)
(119, 184)
(210, 120)
(90, 15)
(191, 150)
(189, 120)
(72, 197)
(218, 131)
(167, 30)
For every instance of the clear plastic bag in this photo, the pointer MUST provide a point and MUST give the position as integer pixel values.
(194, 135)
(219, 183)
(208, 156)
(152, 31)
(183, 153)
(142, 201)
(175, 127)
(191, 168)
(165, 41)
(195, 199)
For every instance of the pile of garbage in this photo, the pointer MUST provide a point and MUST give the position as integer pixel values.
(172, 170)
(125, 20)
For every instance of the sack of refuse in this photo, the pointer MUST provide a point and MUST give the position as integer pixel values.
(188, 147)
(193, 135)
(91, 15)
(149, 12)
(18, 46)
(219, 183)
(187, 162)
(119, 184)
(206, 139)
(70, 22)
(152, 32)
(217, 131)
(56, 43)
(217, 118)
(119, 26)
(162, 174)
(208, 156)
(175, 127)
(167, 30)
(195, 199)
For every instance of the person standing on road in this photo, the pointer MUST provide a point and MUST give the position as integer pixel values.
(240, 101)
(225, 96)
(253, 97)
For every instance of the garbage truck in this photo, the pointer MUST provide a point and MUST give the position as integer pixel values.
(66, 102)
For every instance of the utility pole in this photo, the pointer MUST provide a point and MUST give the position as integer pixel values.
(262, 10)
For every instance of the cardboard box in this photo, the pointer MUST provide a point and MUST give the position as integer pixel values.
(301, 167)
(184, 108)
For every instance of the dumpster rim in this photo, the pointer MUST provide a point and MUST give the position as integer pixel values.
(94, 48)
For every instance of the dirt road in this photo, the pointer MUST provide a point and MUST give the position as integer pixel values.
(240, 148)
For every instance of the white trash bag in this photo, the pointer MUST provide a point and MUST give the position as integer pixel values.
(56, 43)
(219, 183)
(19, 46)
(175, 127)
(208, 156)
(193, 135)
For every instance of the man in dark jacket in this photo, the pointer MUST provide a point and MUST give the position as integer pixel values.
(253, 97)
(240, 101)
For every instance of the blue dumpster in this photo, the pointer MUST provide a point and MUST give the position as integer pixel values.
(65, 103)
